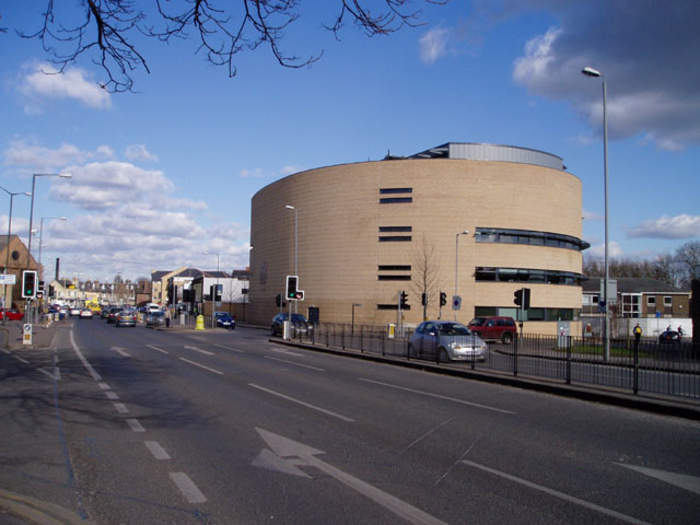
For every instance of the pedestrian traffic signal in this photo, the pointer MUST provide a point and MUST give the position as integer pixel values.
(443, 298)
(29, 282)
(403, 301)
(424, 299)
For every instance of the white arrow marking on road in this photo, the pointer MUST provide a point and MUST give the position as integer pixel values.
(120, 351)
(286, 448)
(206, 352)
(684, 481)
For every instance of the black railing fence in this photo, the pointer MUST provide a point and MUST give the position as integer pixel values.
(644, 367)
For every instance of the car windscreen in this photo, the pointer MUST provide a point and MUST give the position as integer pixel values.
(477, 321)
(453, 329)
(298, 318)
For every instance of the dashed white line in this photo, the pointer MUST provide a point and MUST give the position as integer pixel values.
(121, 408)
(229, 348)
(111, 395)
(21, 360)
(201, 366)
(135, 426)
(295, 364)
(121, 351)
(303, 403)
(196, 349)
(187, 487)
(57, 373)
(283, 351)
(438, 396)
(152, 347)
(103, 386)
(157, 451)
(556, 493)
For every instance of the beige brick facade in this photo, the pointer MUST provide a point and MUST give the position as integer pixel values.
(339, 220)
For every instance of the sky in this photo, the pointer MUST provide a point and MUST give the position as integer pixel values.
(163, 176)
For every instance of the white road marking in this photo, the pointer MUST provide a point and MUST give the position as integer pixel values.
(287, 450)
(57, 373)
(135, 426)
(438, 396)
(5, 351)
(205, 352)
(295, 364)
(201, 366)
(88, 366)
(121, 408)
(111, 395)
(303, 403)
(157, 451)
(426, 434)
(557, 494)
(187, 487)
(21, 360)
(121, 351)
(52, 376)
(229, 348)
(103, 386)
(684, 481)
(284, 351)
(157, 349)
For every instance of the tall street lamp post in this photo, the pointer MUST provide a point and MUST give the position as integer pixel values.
(465, 232)
(589, 71)
(31, 207)
(9, 233)
(296, 248)
(41, 232)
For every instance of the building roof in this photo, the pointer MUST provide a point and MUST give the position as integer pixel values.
(215, 274)
(633, 285)
(157, 275)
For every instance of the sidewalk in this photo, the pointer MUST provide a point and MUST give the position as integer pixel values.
(42, 335)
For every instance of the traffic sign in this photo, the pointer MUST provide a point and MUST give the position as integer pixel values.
(456, 302)
(8, 278)
(27, 334)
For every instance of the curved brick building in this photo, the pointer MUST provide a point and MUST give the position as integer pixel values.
(369, 230)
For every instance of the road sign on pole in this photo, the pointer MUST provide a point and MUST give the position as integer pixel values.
(456, 302)
(27, 334)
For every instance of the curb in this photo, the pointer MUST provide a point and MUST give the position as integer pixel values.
(599, 395)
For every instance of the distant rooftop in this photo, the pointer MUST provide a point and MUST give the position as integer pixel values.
(490, 152)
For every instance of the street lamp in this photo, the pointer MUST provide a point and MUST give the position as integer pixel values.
(465, 232)
(216, 289)
(31, 207)
(589, 71)
(296, 246)
(41, 232)
(9, 230)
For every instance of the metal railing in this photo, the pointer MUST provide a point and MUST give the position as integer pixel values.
(647, 367)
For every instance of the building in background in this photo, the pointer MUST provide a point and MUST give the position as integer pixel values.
(13, 252)
(360, 234)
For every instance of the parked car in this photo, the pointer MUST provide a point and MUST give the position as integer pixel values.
(86, 313)
(224, 320)
(11, 315)
(494, 328)
(669, 337)
(104, 314)
(125, 317)
(448, 340)
(155, 319)
(300, 326)
(112, 314)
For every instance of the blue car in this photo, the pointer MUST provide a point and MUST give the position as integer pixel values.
(224, 320)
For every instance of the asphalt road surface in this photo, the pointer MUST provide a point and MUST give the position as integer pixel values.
(225, 427)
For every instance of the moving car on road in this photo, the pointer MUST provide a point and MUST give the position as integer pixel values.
(75, 311)
(446, 341)
(300, 326)
(125, 317)
(155, 319)
(669, 337)
(224, 320)
(86, 313)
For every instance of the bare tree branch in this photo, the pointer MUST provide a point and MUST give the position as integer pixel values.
(109, 30)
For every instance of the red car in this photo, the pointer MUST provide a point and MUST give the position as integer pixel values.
(494, 328)
(12, 315)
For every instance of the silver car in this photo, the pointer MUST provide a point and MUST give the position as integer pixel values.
(446, 341)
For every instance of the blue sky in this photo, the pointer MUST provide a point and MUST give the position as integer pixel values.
(163, 177)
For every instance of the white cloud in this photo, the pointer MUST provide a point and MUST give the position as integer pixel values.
(45, 81)
(678, 227)
(136, 152)
(23, 153)
(433, 45)
(591, 216)
(288, 170)
(598, 250)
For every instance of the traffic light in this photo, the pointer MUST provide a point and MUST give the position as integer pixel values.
(522, 298)
(424, 299)
(299, 296)
(526, 298)
(443, 298)
(403, 301)
(278, 300)
(518, 297)
(29, 284)
(292, 285)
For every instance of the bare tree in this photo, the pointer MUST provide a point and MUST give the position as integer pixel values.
(426, 273)
(688, 257)
(109, 30)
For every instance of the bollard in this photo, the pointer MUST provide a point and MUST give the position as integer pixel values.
(200, 322)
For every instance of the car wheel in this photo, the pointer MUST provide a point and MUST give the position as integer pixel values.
(444, 357)
(507, 338)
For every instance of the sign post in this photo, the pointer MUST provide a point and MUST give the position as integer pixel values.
(27, 334)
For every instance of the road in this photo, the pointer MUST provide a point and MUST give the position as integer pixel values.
(225, 427)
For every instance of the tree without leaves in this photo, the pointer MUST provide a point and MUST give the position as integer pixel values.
(108, 30)
(425, 271)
